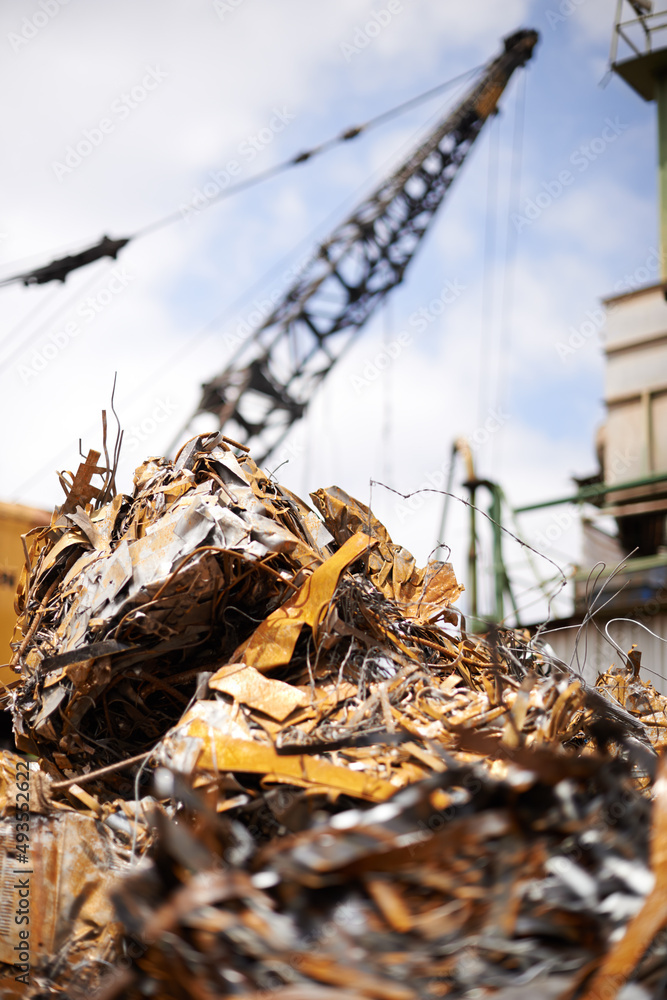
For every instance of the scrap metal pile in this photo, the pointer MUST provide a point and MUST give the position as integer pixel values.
(269, 760)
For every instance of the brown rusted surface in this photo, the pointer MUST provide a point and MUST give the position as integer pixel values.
(266, 766)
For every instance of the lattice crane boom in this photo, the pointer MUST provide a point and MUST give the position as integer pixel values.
(268, 384)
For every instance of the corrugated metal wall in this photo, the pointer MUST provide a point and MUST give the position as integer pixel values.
(595, 653)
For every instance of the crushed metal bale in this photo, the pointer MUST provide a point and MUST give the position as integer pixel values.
(259, 753)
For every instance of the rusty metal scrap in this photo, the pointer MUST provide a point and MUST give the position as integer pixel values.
(268, 756)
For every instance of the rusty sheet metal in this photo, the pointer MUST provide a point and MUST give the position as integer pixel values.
(421, 593)
(272, 644)
(247, 685)
(304, 772)
(72, 864)
(409, 897)
(265, 765)
(222, 742)
(623, 958)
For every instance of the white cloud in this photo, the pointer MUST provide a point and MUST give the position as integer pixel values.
(224, 77)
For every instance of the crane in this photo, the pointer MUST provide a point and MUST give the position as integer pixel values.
(271, 378)
(58, 270)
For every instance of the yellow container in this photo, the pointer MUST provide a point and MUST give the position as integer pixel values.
(15, 520)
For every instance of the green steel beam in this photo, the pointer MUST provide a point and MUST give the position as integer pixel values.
(472, 550)
(498, 567)
(636, 565)
(590, 492)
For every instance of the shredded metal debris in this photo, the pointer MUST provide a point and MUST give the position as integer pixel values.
(267, 757)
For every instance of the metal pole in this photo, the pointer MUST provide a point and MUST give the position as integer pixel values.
(472, 551)
(440, 540)
(498, 566)
(587, 493)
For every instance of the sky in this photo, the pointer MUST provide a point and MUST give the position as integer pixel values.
(554, 209)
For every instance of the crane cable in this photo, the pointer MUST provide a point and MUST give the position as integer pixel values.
(503, 370)
(28, 317)
(206, 331)
(509, 263)
(345, 136)
(507, 294)
(63, 308)
(488, 273)
(387, 394)
(59, 269)
(209, 327)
